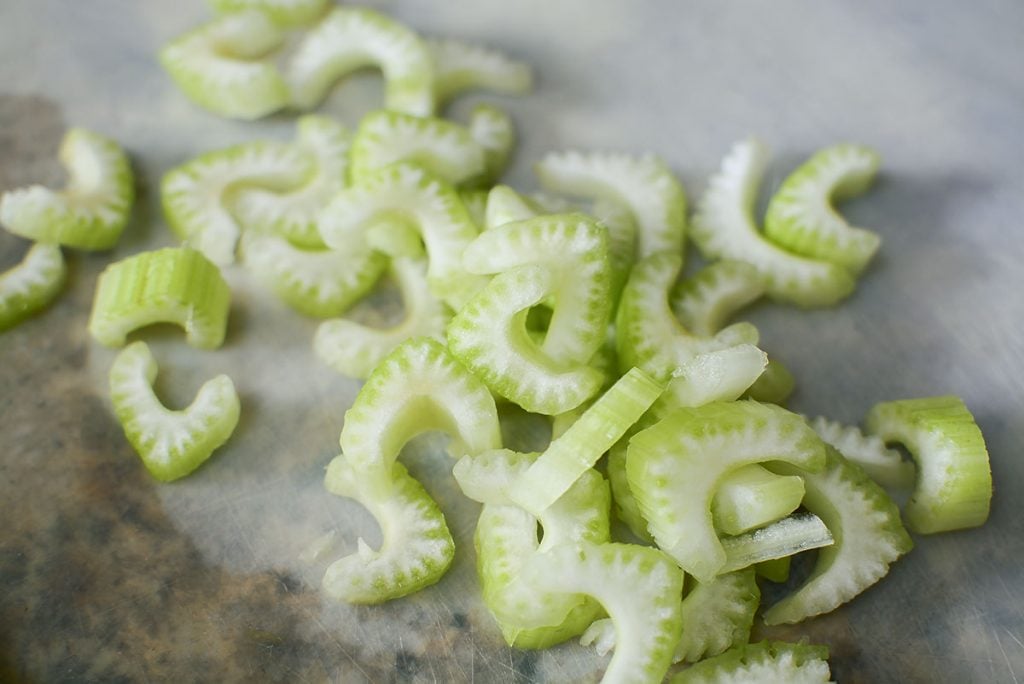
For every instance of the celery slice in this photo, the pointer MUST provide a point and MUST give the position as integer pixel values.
(718, 615)
(722, 375)
(765, 661)
(868, 538)
(225, 65)
(885, 466)
(724, 228)
(773, 386)
(92, 209)
(494, 131)
(675, 467)
(351, 38)
(171, 443)
(954, 480)
(705, 301)
(281, 12)
(32, 284)
(505, 205)
(753, 497)
(460, 66)
(780, 539)
(801, 217)
(172, 285)
(355, 350)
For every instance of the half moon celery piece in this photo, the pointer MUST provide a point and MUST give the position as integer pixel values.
(416, 547)
(225, 65)
(490, 336)
(412, 194)
(675, 467)
(868, 538)
(442, 147)
(773, 386)
(195, 194)
(355, 350)
(576, 451)
(884, 466)
(292, 214)
(644, 184)
(171, 443)
(494, 131)
(765, 661)
(638, 586)
(778, 540)
(281, 12)
(722, 375)
(316, 282)
(954, 480)
(460, 66)
(724, 228)
(32, 284)
(705, 301)
(352, 38)
(753, 497)
(92, 209)
(801, 217)
(649, 336)
(718, 615)
(172, 285)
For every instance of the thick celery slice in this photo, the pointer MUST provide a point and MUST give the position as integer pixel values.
(173, 285)
(92, 209)
(705, 301)
(780, 539)
(675, 467)
(494, 131)
(868, 535)
(801, 217)
(281, 12)
(765, 661)
(32, 284)
(355, 350)
(351, 38)
(724, 228)
(954, 480)
(225, 65)
(885, 466)
(718, 615)
(171, 443)
(753, 497)
(773, 386)
(460, 66)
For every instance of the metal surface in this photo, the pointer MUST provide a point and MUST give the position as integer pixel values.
(107, 576)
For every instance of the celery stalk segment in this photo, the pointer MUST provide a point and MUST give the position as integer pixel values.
(32, 284)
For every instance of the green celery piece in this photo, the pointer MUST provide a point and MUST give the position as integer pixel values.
(494, 131)
(32, 284)
(416, 547)
(724, 228)
(486, 477)
(475, 202)
(92, 209)
(171, 443)
(706, 300)
(773, 386)
(354, 349)
(352, 38)
(196, 195)
(226, 67)
(442, 147)
(645, 184)
(802, 218)
(765, 661)
(460, 66)
(172, 285)
(718, 615)
(722, 375)
(286, 13)
(954, 479)
(774, 570)
(753, 497)
(884, 466)
(321, 283)
(865, 524)
(675, 467)
(293, 213)
(779, 539)
(405, 194)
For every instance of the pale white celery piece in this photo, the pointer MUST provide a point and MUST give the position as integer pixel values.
(765, 661)
(460, 66)
(884, 465)
(32, 284)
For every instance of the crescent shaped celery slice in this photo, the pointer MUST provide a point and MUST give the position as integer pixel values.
(92, 209)
(355, 350)
(954, 479)
(752, 497)
(706, 300)
(282, 12)
(718, 615)
(172, 285)
(675, 467)
(352, 38)
(225, 66)
(724, 228)
(865, 524)
(885, 466)
(460, 66)
(722, 375)
(801, 216)
(171, 444)
(31, 285)
(765, 661)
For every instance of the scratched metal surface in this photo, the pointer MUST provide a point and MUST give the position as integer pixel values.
(106, 576)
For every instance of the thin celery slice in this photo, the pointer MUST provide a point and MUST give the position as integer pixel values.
(885, 466)
(355, 350)
(801, 216)
(351, 38)
(765, 661)
(460, 66)
(705, 301)
(92, 209)
(281, 12)
(494, 131)
(225, 65)
(718, 615)
(780, 539)
(32, 284)
(954, 480)
(171, 443)
(753, 497)
(172, 285)
(675, 467)
(868, 538)
(724, 228)
(773, 386)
